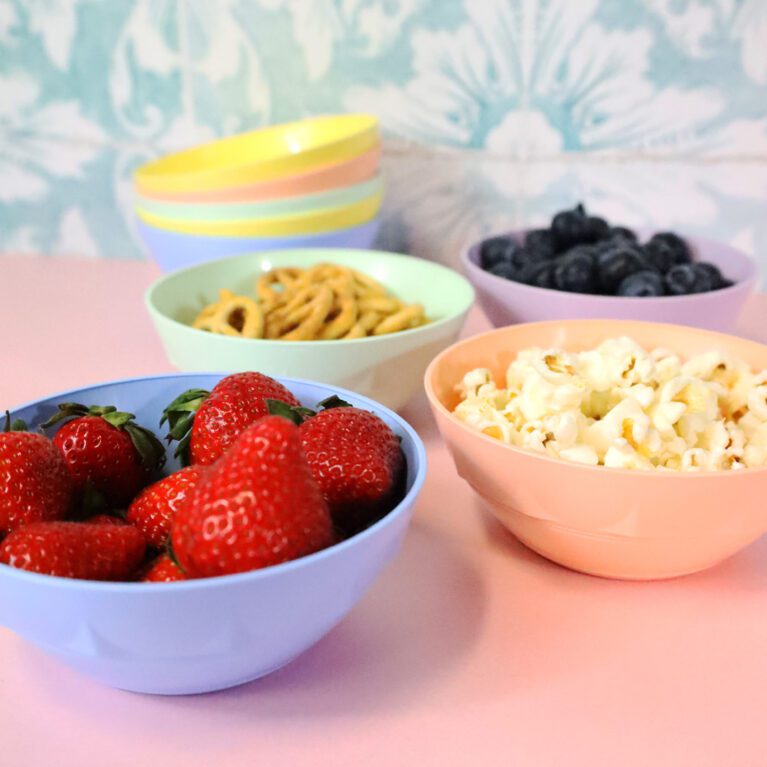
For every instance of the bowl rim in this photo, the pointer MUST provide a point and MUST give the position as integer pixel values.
(368, 188)
(437, 405)
(318, 221)
(472, 268)
(371, 156)
(221, 581)
(355, 127)
(154, 311)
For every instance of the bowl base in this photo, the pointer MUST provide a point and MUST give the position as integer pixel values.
(610, 556)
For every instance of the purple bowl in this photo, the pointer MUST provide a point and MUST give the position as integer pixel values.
(507, 303)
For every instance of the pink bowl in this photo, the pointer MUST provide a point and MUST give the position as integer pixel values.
(506, 302)
(610, 522)
(354, 171)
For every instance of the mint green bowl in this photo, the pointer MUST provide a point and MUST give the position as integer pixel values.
(386, 368)
(226, 211)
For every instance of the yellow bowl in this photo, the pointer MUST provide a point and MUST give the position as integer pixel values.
(261, 155)
(313, 222)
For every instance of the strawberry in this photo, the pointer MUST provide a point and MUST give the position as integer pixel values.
(153, 509)
(355, 458)
(207, 423)
(105, 519)
(256, 506)
(109, 456)
(163, 570)
(75, 550)
(34, 482)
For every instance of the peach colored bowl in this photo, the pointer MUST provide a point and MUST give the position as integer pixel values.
(614, 523)
(323, 179)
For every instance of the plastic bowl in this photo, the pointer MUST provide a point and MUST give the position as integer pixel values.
(262, 155)
(289, 206)
(387, 368)
(506, 302)
(313, 222)
(208, 634)
(172, 251)
(322, 179)
(609, 522)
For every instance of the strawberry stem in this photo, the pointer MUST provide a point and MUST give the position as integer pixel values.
(333, 401)
(13, 425)
(295, 414)
(150, 450)
(180, 418)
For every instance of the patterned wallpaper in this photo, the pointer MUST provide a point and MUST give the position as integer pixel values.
(496, 112)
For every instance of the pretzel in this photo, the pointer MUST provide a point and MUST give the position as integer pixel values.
(324, 302)
(401, 320)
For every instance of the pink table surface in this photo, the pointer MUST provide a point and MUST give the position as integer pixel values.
(468, 650)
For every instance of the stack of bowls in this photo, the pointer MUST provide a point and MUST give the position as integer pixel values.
(311, 183)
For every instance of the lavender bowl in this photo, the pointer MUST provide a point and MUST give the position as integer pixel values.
(507, 303)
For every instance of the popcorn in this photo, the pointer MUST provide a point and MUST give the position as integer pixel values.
(621, 406)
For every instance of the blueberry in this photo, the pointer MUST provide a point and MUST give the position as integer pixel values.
(683, 279)
(717, 279)
(622, 233)
(495, 250)
(570, 227)
(541, 274)
(660, 255)
(614, 265)
(642, 284)
(575, 271)
(541, 243)
(597, 228)
(667, 249)
(503, 269)
(514, 267)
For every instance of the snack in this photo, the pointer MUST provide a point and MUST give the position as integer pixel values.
(34, 481)
(258, 505)
(153, 509)
(354, 456)
(262, 490)
(624, 407)
(163, 570)
(207, 423)
(584, 254)
(94, 552)
(323, 303)
(109, 456)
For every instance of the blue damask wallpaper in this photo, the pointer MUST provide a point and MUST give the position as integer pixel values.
(496, 112)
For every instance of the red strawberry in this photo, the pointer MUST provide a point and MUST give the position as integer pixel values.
(207, 423)
(355, 458)
(153, 509)
(256, 506)
(105, 519)
(163, 570)
(34, 482)
(75, 550)
(108, 454)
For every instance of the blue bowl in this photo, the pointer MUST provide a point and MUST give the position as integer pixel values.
(213, 633)
(174, 250)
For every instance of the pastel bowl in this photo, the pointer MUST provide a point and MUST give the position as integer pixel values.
(171, 250)
(506, 302)
(609, 522)
(312, 222)
(289, 206)
(261, 155)
(208, 634)
(323, 179)
(388, 368)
